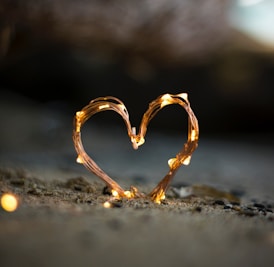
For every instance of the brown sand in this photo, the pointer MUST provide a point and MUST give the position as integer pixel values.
(61, 220)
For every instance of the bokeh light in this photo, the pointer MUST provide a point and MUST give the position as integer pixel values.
(9, 202)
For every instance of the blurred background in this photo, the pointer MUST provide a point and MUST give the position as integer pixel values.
(56, 56)
(65, 53)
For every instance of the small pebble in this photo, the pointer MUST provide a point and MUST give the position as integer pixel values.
(17, 182)
(164, 202)
(236, 207)
(198, 209)
(219, 202)
(235, 203)
(258, 205)
(248, 211)
(117, 204)
(78, 187)
(228, 206)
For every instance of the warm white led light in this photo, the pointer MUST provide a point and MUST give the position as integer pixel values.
(80, 114)
(137, 139)
(79, 160)
(171, 162)
(186, 161)
(9, 202)
(107, 205)
(103, 106)
(114, 193)
(184, 96)
(193, 135)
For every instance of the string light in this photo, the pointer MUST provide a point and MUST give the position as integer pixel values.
(9, 202)
(112, 103)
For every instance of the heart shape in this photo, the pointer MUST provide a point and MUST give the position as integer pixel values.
(101, 104)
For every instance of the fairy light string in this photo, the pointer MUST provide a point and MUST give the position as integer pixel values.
(183, 157)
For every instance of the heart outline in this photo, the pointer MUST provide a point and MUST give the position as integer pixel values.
(101, 104)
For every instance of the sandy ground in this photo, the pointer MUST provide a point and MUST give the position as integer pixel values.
(61, 220)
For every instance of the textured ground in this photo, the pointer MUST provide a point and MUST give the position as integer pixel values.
(61, 221)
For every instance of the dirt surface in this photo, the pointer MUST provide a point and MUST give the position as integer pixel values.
(64, 223)
(218, 211)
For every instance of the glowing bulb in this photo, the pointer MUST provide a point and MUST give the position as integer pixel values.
(9, 202)
(107, 205)
(80, 114)
(141, 141)
(160, 196)
(166, 100)
(193, 135)
(165, 97)
(171, 162)
(186, 161)
(114, 193)
(128, 194)
(184, 96)
(103, 106)
(79, 160)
